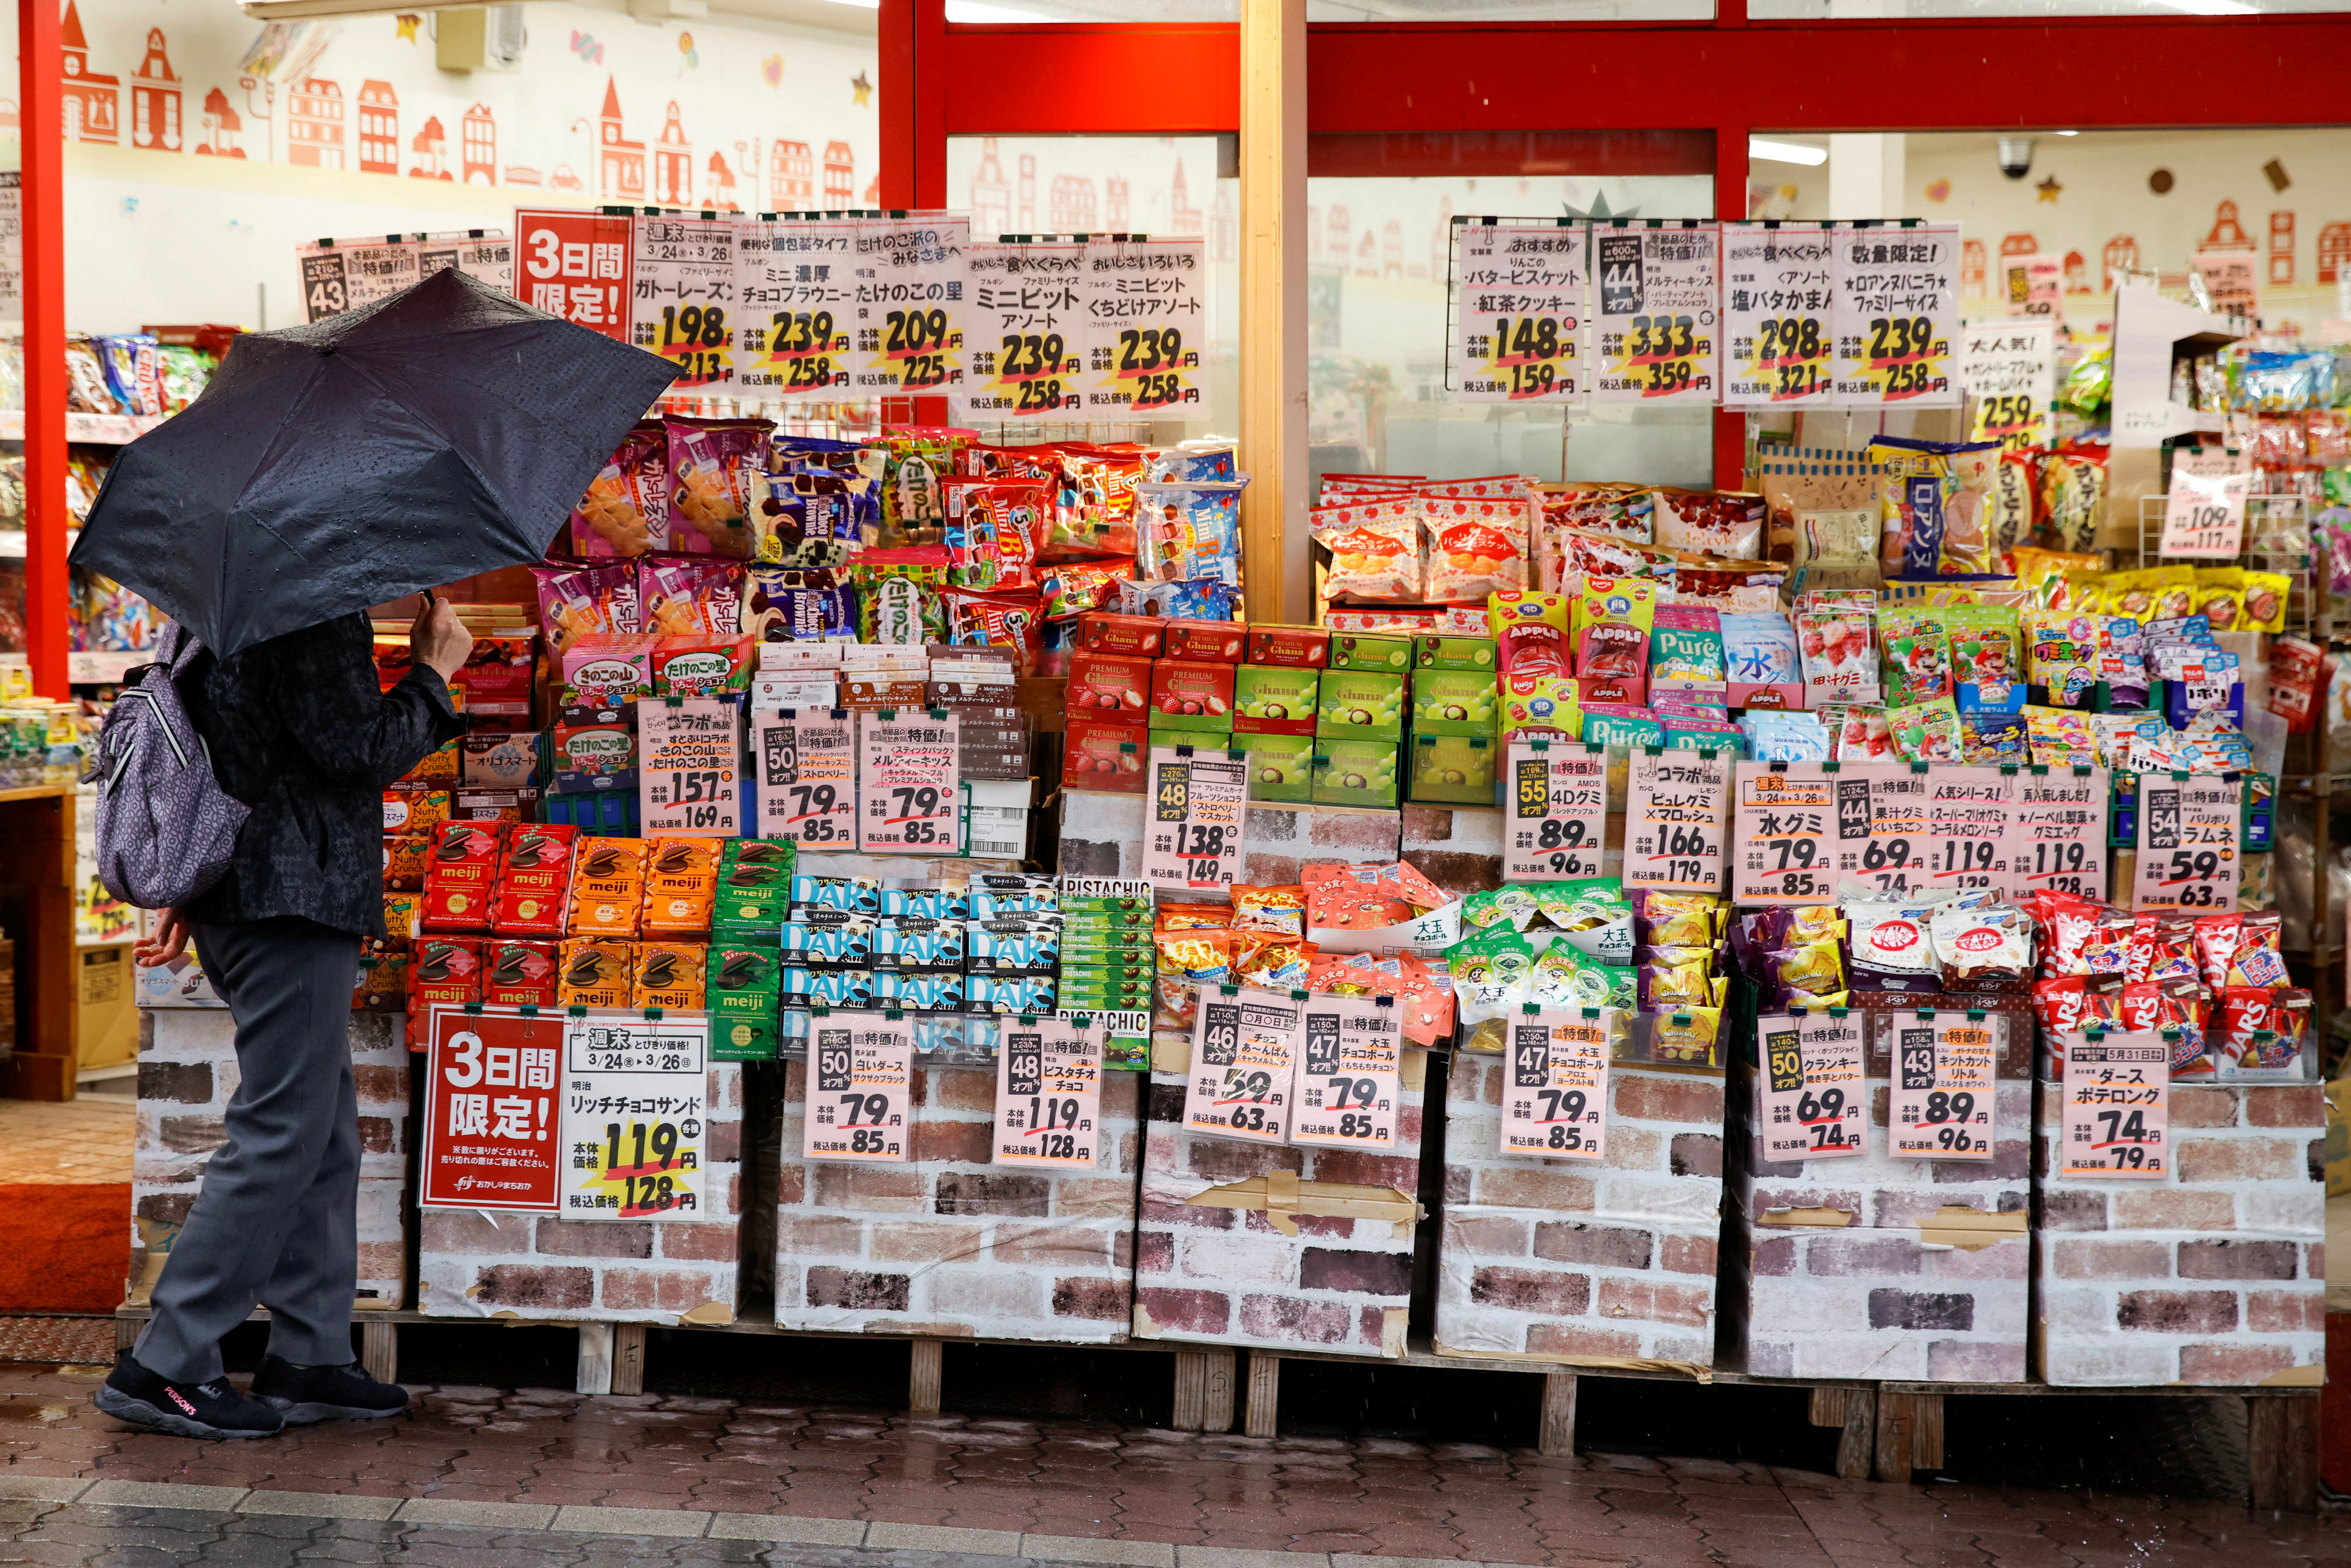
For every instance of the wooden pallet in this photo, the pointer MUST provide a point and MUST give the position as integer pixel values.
(1889, 1430)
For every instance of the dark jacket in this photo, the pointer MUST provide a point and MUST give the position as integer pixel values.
(299, 731)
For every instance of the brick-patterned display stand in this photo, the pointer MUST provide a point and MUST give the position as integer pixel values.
(1226, 1276)
(187, 1070)
(1879, 1297)
(949, 1244)
(476, 1265)
(1565, 1261)
(2215, 1275)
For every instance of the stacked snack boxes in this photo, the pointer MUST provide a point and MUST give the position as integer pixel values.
(1109, 963)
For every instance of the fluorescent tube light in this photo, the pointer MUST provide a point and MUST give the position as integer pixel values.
(1788, 151)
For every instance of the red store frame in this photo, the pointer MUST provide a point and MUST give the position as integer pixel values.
(1722, 79)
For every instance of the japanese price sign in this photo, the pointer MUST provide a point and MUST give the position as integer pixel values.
(794, 298)
(2230, 276)
(2118, 1105)
(2057, 832)
(492, 1133)
(1942, 1101)
(682, 295)
(1146, 327)
(2009, 372)
(1244, 1058)
(907, 771)
(1555, 1098)
(1049, 1093)
(1559, 812)
(576, 265)
(1347, 1083)
(907, 335)
(1198, 804)
(2030, 286)
(1778, 285)
(1674, 810)
(1027, 331)
(487, 254)
(1517, 313)
(1812, 1096)
(1898, 294)
(686, 780)
(2204, 514)
(807, 760)
(861, 1073)
(636, 1111)
(1656, 314)
(343, 275)
(2188, 829)
(1785, 821)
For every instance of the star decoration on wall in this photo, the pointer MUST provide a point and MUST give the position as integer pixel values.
(2049, 189)
(862, 88)
(407, 25)
(1599, 209)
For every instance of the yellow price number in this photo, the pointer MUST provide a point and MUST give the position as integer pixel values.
(694, 336)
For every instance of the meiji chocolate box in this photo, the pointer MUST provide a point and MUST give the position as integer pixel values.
(702, 666)
(1299, 647)
(1109, 685)
(1099, 756)
(739, 986)
(1101, 631)
(596, 973)
(518, 972)
(1190, 693)
(681, 883)
(669, 975)
(608, 883)
(1275, 699)
(538, 858)
(1217, 642)
(754, 891)
(1358, 651)
(1361, 705)
(444, 969)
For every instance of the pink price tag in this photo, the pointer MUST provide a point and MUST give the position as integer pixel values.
(1558, 820)
(1786, 827)
(907, 784)
(861, 1072)
(1812, 1096)
(2117, 1106)
(806, 762)
(1941, 1107)
(1676, 807)
(1555, 1100)
(1347, 1080)
(2057, 838)
(1049, 1093)
(1244, 1066)
(2187, 849)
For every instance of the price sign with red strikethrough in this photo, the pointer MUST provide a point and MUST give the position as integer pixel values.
(907, 778)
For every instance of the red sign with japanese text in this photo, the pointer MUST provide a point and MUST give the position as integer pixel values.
(493, 1129)
(576, 265)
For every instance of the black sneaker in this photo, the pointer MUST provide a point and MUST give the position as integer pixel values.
(307, 1393)
(131, 1393)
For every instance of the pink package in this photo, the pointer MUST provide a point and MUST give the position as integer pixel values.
(607, 668)
(576, 602)
(1613, 653)
(625, 512)
(713, 466)
(682, 598)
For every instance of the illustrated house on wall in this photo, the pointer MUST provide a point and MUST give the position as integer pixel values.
(1114, 204)
(155, 99)
(480, 133)
(991, 198)
(1072, 210)
(1183, 219)
(2282, 249)
(673, 163)
(379, 129)
(620, 162)
(314, 124)
(1973, 268)
(839, 174)
(222, 124)
(2334, 250)
(2121, 255)
(791, 177)
(432, 145)
(722, 185)
(93, 102)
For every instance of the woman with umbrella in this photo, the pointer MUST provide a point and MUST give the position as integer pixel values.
(444, 431)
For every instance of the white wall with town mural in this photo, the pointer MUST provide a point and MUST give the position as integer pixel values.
(183, 137)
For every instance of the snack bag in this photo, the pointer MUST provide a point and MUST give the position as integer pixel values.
(2073, 499)
(1476, 548)
(612, 518)
(714, 465)
(1190, 532)
(1076, 587)
(913, 508)
(576, 602)
(1095, 513)
(1727, 523)
(1840, 655)
(1917, 664)
(1760, 648)
(1375, 552)
(898, 595)
(2062, 656)
(994, 527)
(1937, 506)
(1532, 631)
(1926, 732)
(1612, 621)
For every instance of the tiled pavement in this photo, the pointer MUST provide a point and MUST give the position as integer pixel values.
(841, 1488)
(87, 1139)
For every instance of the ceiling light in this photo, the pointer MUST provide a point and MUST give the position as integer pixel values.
(2069, 134)
(2212, 7)
(1786, 151)
(970, 11)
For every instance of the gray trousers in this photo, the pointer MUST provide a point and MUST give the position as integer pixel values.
(276, 1222)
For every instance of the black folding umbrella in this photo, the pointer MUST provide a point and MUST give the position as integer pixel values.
(442, 432)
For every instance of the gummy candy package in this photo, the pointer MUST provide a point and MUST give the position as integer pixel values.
(2062, 656)
(715, 464)
(1190, 532)
(1531, 629)
(1926, 732)
(1760, 648)
(1840, 655)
